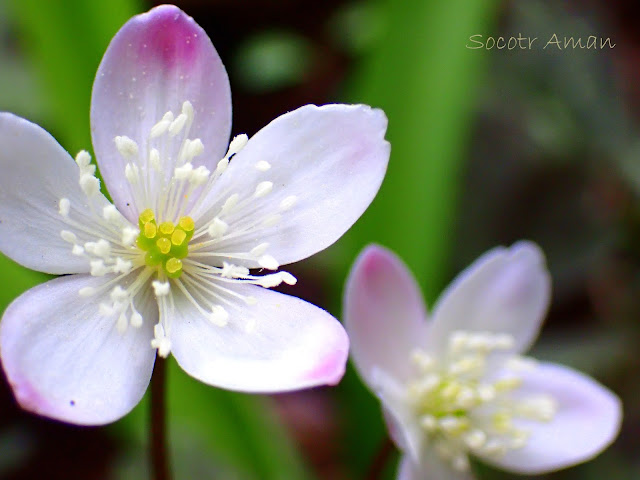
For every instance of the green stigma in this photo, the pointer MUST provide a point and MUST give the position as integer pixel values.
(166, 244)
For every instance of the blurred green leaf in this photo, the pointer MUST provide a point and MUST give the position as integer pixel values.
(272, 60)
(425, 79)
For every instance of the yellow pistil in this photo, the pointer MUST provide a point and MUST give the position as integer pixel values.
(166, 244)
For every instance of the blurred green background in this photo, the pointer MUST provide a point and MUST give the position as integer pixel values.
(488, 146)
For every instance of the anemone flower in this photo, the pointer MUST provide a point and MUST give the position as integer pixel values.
(454, 383)
(182, 261)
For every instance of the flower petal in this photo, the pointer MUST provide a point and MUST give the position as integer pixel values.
(278, 344)
(401, 422)
(154, 63)
(431, 468)
(36, 173)
(507, 290)
(383, 313)
(65, 361)
(329, 160)
(586, 422)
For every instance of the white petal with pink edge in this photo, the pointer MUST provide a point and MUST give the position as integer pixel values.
(507, 291)
(155, 63)
(39, 181)
(67, 361)
(384, 314)
(586, 421)
(266, 342)
(300, 182)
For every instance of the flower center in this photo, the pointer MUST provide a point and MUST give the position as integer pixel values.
(206, 264)
(166, 244)
(465, 400)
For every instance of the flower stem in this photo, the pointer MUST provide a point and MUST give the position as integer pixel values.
(158, 424)
(380, 460)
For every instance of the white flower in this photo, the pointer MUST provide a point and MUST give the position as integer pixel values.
(167, 267)
(455, 384)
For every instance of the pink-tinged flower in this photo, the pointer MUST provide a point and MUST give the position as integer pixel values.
(454, 383)
(168, 267)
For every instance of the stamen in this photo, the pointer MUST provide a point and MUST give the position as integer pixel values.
(263, 165)
(127, 147)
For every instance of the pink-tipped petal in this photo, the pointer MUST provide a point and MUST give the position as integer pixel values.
(66, 361)
(36, 173)
(280, 343)
(586, 422)
(328, 162)
(401, 421)
(384, 314)
(155, 62)
(507, 290)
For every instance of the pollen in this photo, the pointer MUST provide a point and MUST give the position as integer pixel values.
(166, 244)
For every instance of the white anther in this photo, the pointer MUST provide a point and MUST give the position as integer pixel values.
(110, 213)
(160, 288)
(262, 189)
(154, 159)
(237, 144)
(199, 176)
(159, 128)
(222, 166)
(187, 109)
(268, 262)
(90, 185)
(288, 202)
(217, 228)
(263, 165)
(63, 207)
(288, 278)
(229, 203)
(77, 250)
(102, 248)
(177, 125)
(486, 393)
(422, 360)
(122, 266)
(475, 439)
(160, 341)
(136, 319)
(195, 148)
(219, 316)
(230, 270)
(127, 147)
(428, 422)
(87, 291)
(183, 172)
(98, 268)
(168, 117)
(269, 281)
(68, 236)
(83, 159)
(271, 220)
(259, 250)
(118, 294)
(132, 173)
(129, 235)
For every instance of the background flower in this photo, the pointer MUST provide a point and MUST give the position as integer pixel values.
(454, 383)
